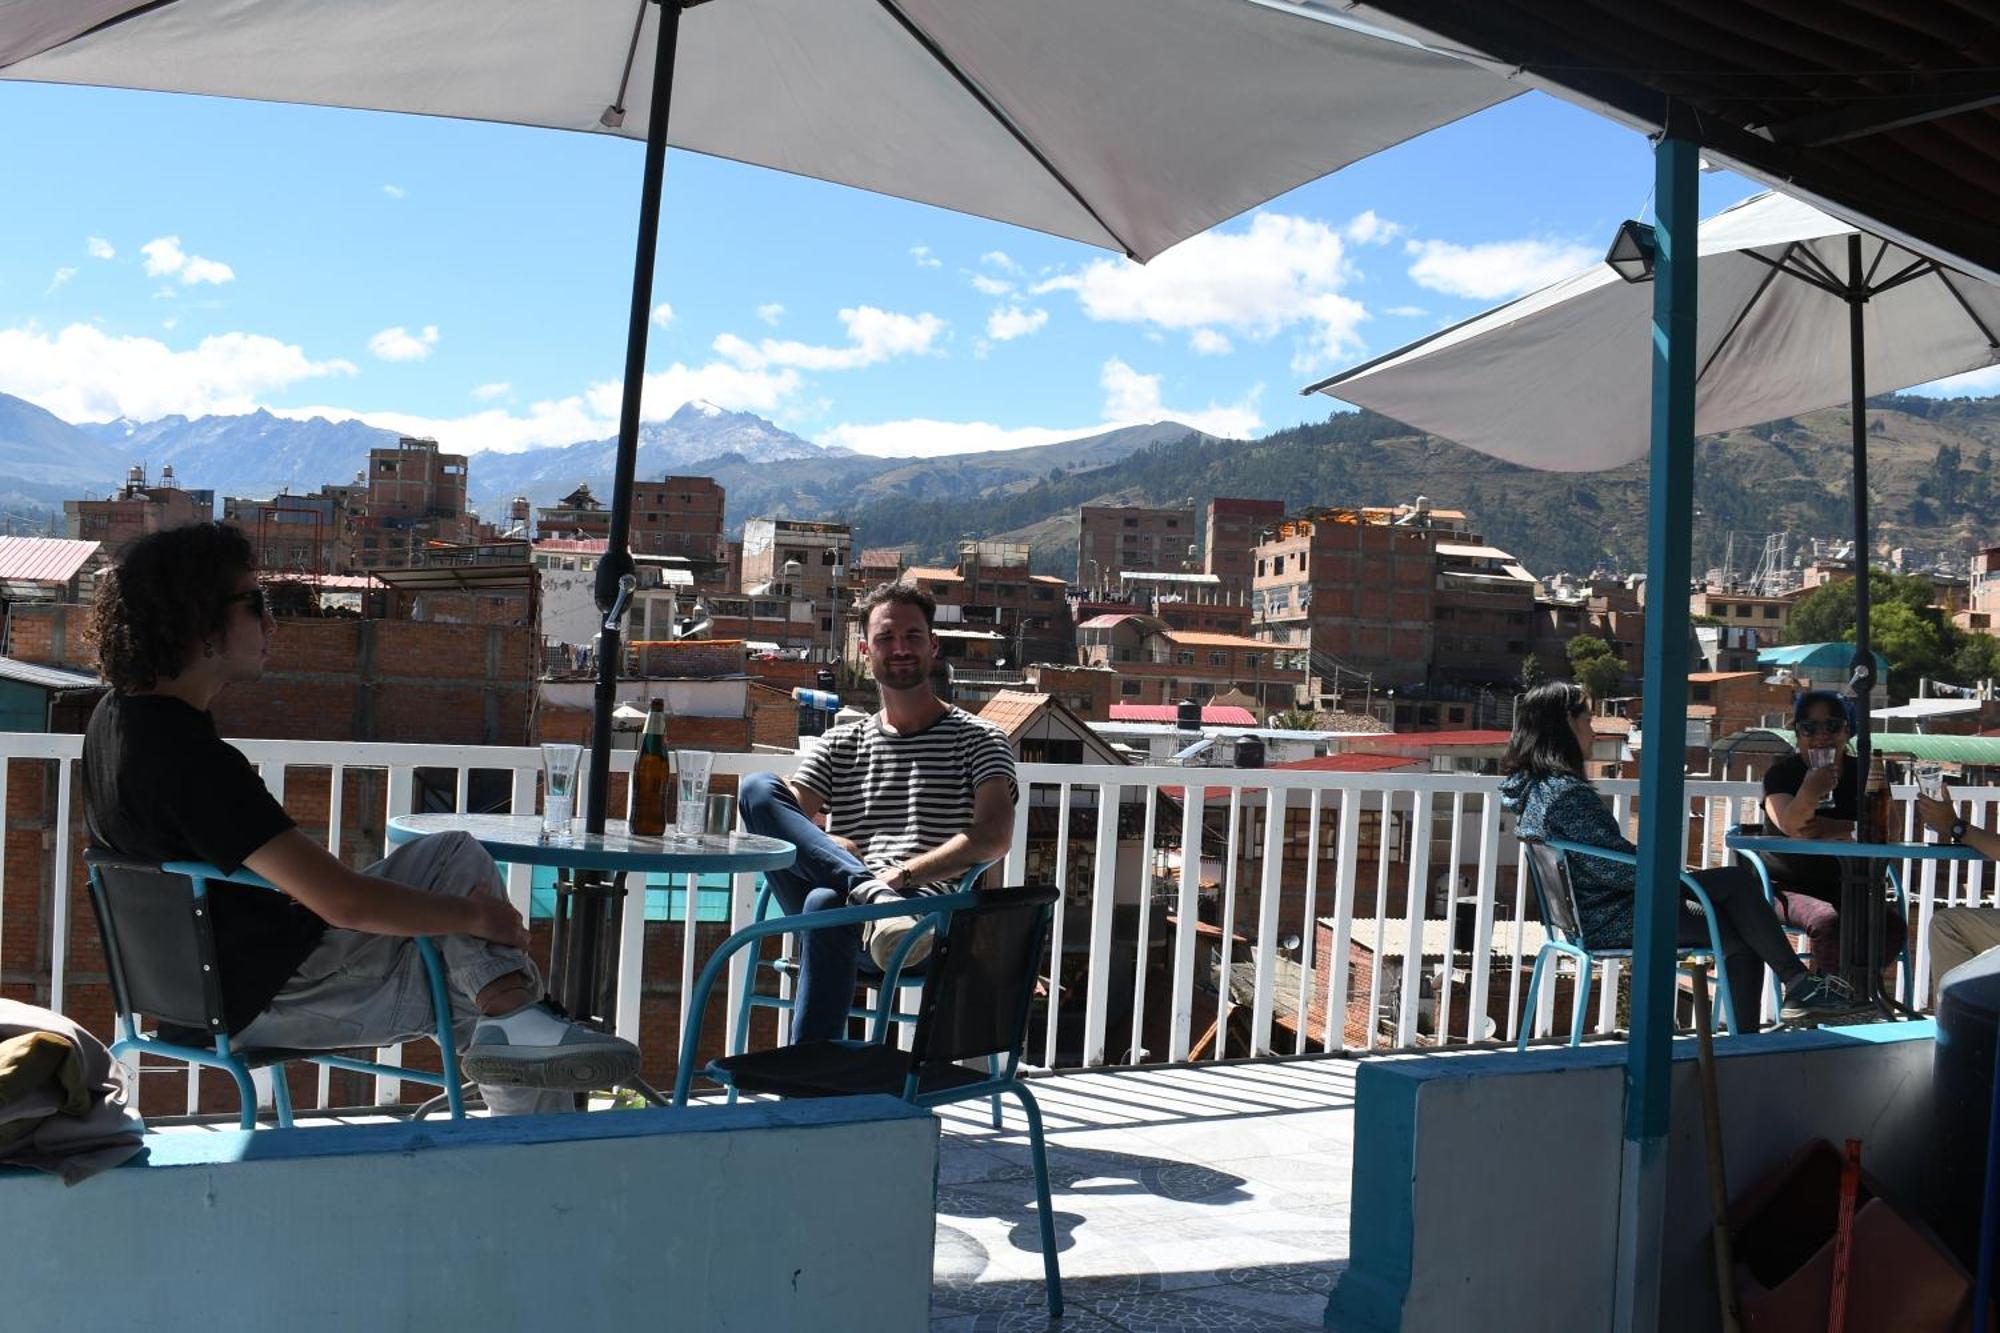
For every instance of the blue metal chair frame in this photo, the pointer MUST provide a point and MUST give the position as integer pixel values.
(238, 1063)
(889, 990)
(1811, 847)
(1586, 958)
(937, 911)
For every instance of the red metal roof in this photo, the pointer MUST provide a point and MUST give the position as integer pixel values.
(43, 559)
(1104, 622)
(1431, 740)
(1353, 763)
(1213, 715)
(583, 545)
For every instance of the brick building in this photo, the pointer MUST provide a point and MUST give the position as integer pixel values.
(801, 562)
(135, 510)
(416, 496)
(1484, 605)
(683, 516)
(1157, 664)
(992, 589)
(578, 516)
(1358, 587)
(297, 534)
(1736, 608)
(1111, 539)
(1229, 551)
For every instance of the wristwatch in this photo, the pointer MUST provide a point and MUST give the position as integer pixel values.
(1958, 829)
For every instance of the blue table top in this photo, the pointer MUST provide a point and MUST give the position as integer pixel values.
(518, 839)
(1861, 851)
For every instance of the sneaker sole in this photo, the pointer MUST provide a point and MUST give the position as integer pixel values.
(577, 1071)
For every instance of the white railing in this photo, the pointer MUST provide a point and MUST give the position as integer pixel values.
(1148, 962)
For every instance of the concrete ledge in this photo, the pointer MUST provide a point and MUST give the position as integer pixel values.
(775, 1215)
(1486, 1185)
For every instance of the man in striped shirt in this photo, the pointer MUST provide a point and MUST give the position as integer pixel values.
(913, 797)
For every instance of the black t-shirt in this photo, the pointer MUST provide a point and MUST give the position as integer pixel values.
(1818, 876)
(161, 785)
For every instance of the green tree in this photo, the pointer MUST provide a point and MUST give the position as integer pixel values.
(1531, 671)
(1594, 665)
(1916, 638)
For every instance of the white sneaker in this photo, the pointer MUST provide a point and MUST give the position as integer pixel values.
(880, 939)
(537, 1047)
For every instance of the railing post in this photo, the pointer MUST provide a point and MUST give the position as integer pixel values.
(1193, 796)
(1262, 1008)
(1103, 902)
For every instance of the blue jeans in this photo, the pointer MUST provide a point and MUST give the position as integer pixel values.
(817, 881)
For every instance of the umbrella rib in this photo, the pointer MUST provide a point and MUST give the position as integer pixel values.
(1782, 265)
(1966, 306)
(1921, 268)
(1881, 253)
(1770, 276)
(137, 11)
(1000, 117)
(1834, 282)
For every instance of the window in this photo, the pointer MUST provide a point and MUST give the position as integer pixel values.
(1173, 523)
(1702, 694)
(1043, 593)
(826, 624)
(1184, 658)
(829, 557)
(1218, 659)
(1261, 567)
(1131, 522)
(1770, 613)
(1252, 661)
(1128, 687)
(1277, 564)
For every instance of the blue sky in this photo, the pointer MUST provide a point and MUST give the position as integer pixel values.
(167, 254)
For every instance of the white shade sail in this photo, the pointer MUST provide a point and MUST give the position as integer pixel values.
(1561, 379)
(1128, 124)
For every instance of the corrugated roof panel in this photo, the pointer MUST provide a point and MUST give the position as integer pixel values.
(43, 559)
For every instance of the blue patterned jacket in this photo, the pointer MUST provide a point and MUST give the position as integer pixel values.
(1569, 808)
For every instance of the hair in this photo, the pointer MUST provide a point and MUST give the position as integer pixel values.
(1543, 745)
(168, 595)
(897, 592)
(1833, 699)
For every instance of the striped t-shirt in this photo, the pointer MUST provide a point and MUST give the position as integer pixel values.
(900, 796)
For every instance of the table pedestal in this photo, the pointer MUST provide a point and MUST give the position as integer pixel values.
(588, 927)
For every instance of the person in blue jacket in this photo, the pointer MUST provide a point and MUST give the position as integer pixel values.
(1545, 788)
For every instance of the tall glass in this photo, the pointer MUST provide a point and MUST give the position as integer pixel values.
(1930, 779)
(692, 768)
(560, 761)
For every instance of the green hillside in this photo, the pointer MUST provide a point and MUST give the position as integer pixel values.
(1931, 470)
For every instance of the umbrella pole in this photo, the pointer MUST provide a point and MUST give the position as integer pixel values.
(587, 983)
(1861, 673)
(617, 560)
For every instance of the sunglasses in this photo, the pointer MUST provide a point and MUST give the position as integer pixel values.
(1579, 709)
(1828, 728)
(254, 599)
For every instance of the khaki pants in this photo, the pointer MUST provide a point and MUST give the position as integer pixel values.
(1960, 934)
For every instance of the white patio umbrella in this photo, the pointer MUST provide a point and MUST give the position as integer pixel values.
(1798, 311)
(1127, 124)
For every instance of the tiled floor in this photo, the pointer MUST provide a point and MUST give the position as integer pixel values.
(1206, 1197)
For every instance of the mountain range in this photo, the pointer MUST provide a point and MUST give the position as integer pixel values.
(1935, 487)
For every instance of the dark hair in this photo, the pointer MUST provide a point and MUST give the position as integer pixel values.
(169, 592)
(897, 592)
(1542, 745)
(1833, 699)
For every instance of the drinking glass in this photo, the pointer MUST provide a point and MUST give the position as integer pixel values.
(692, 807)
(1930, 779)
(1823, 756)
(559, 765)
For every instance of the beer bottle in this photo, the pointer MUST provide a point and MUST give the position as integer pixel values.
(1875, 801)
(652, 777)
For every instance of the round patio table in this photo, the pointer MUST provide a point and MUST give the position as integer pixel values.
(1854, 899)
(590, 889)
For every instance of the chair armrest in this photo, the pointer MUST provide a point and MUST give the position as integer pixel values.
(200, 870)
(1688, 881)
(938, 905)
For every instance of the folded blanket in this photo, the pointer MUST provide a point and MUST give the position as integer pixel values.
(65, 1104)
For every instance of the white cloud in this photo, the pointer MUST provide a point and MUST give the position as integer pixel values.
(987, 286)
(1283, 274)
(559, 421)
(1371, 228)
(1131, 399)
(1011, 321)
(663, 314)
(62, 275)
(85, 374)
(399, 344)
(873, 336)
(164, 257)
(486, 393)
(1496, 269)
(1966, 384)
(1001, 260)
(1207, 342)
(925, 259)
(1406, 311)
(99, 248)
(394, 191)
(771, 313)
(170, 323)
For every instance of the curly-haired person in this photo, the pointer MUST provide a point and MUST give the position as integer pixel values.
(329, 962)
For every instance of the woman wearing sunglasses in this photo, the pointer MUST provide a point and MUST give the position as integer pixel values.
(1816, 793)
(1551, 798)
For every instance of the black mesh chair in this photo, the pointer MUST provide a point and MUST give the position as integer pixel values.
(978, 987)
(159, 953)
